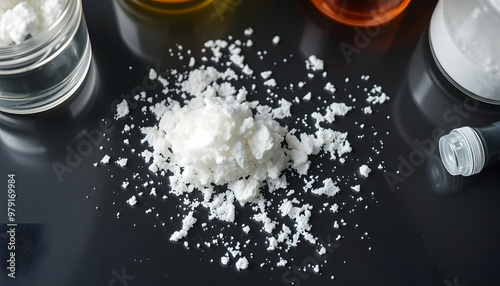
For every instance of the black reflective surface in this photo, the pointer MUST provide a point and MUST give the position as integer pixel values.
(425, 227)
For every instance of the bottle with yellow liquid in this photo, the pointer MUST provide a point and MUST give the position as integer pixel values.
(172, 6)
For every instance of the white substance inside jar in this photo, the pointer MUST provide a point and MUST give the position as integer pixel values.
(22, 19)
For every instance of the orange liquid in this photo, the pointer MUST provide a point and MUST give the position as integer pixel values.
(361, 13)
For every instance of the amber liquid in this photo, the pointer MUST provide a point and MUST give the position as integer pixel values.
(172, 6)
(361, 13)
(170, 1)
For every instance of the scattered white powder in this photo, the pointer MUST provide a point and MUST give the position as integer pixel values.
(132, 201)
(105, 159)
(364, 170)
(315, 64)
(270, 82)
(376, 95)
(330, 87)
(357, 188)
(307, 97)
(122, 109)
(153, 74)
(187, 223)
(247, 70)
(282, 262)
(334, 109)
(222, 151)
(248, 31)
(21, 19)
(122, 162)
(276, 40)
(367, 110)
(242, 263)
(322, 250)
(336, 225)
(329, 188)
(224, 260)
(266, 74)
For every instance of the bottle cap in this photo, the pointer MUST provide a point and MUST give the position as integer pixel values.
(462, 152)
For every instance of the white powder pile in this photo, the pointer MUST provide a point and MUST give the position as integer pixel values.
(21, 19)
(226, 155)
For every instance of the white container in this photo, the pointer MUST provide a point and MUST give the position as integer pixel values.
(465, 41)
(45, 70)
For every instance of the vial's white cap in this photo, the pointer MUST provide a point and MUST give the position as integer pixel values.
(462, 152)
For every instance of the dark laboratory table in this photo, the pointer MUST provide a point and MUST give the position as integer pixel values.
(424, 226)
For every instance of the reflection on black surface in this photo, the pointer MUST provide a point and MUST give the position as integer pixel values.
(444, 183)
(149, 35)
(440, 180)
(353, 48)
(50, 252)
(30, 138)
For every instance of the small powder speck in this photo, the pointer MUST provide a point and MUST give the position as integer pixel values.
(276, 40)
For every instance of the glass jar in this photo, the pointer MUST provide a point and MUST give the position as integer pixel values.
(45, 70)
(466, 47)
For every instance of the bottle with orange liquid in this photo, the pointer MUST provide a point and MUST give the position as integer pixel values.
(361, 13)
(172, 6)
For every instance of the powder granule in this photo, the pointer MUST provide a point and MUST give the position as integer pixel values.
(334, 109)
(276, 40)
(242, 263)
(330, 87)
(224, 260)
(105, 159)
(248, 31)
(187, 223)
(364, 170)
(314, 63)
(356, 188)
(122, 109)
(329, 188)
(132, 201)
(122, 162)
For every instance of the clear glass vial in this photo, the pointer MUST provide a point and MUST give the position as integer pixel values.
(466, 151)
(45, 70)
